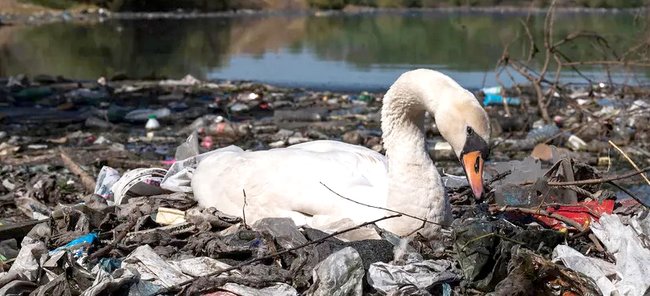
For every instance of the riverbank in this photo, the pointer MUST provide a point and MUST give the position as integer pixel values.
(16, 13)
(76, 154)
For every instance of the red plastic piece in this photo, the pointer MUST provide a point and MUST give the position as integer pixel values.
(582, 212)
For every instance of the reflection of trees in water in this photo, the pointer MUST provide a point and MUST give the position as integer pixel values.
(462, 42)
(256, 36)
(137, 48)
(7, 34)
(175, 47)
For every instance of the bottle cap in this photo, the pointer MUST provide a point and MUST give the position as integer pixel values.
(152, 116)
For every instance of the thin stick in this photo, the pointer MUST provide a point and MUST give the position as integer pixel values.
(86, 180)
(487, 235)
(632, 195)
(629, 160)
(382, 208)
(566, 220)
(118, 238)
(243, 209)
(251, 261)
(598, 181)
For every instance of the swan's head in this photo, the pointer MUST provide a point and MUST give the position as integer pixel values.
(465, 125)
(460, 118)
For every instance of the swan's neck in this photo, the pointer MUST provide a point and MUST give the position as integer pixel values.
(414, 185)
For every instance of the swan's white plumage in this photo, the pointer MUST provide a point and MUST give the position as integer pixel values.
(286, 182)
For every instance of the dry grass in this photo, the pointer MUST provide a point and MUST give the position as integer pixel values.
(17, 7)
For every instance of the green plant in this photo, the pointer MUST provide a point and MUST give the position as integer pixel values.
(327, 4)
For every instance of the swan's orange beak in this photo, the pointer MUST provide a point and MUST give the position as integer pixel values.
(473, 165)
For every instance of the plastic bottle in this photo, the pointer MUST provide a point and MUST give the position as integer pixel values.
(151, 125)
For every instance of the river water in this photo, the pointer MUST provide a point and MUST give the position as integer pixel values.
(342, 52)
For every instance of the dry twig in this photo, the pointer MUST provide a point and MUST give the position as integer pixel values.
(630, 161)
(87, 181)
(600, 180)
(382, 208)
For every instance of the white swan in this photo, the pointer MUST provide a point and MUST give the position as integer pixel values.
(285, 182)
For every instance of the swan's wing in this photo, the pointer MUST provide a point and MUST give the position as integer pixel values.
(280, 182)
(364, 163)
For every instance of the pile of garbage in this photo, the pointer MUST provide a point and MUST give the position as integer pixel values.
(95, 195)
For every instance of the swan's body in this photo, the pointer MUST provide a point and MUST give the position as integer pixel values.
(286, 182)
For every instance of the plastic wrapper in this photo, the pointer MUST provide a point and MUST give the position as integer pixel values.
(105, 180)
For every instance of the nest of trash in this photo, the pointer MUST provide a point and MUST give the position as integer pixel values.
(94, 203)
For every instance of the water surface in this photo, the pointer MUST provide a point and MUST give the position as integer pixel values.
(352, 52)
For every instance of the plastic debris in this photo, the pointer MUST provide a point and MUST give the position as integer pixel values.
(143, 115)
(493, 97)
(283, 229)
(630, 251)
(339, 274)
(167, 216)
(597, 269)
(583, 213)
(138, 182)
(78, 246)
(278, 289)
(412, 278)
(105, 180)
(500, 248)
(26, 266)
(154, 269)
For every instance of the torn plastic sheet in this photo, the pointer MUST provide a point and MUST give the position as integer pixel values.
(154, 269)
(105, 283)
(598, 270)
(280, 289)
(27, 264)
(411, 278)
(339, 274)
(17, 287)
(179, 175)
(200, 266)
(632, 257)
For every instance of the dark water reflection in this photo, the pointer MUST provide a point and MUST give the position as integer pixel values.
(349, 52)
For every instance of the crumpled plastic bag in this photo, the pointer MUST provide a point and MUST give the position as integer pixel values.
(411, 278)
(105, 283)
(154, 269)
(339, 274)
(200, 266)
(632, 257)
(596, 269)
(28, 262)
(179, 175)
(284, 230)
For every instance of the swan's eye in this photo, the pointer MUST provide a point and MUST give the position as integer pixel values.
(469, 130)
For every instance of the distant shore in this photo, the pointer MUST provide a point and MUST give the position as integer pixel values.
(93, 14)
